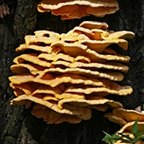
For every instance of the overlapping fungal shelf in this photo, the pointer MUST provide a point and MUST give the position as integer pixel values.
(71, 9)
(64, 76)
(126, 118)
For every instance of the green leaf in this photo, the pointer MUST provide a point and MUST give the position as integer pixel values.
(110, 139)
(107, 139)
(141, 137)
(135, 129)
(139, 134)
(116, 137)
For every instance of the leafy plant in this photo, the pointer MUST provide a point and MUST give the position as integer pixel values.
(111, 139)
(137, 135)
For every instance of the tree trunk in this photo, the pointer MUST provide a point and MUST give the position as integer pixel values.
(17, 125)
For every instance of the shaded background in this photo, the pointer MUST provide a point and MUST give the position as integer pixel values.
(18, 126)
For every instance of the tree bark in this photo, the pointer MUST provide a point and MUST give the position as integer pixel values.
(17, 125)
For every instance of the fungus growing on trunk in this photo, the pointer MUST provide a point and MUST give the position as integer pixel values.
(67, 75)
(71, 9)
(128, 119)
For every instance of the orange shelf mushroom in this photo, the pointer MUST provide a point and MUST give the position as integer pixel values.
(67, 75)
(126, 118)
(71, 9)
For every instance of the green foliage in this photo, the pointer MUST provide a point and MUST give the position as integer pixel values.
(110, 139)
(138, 135)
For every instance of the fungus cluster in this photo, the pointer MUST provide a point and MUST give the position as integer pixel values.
(70, 9)
(64, 76)
(126, 119)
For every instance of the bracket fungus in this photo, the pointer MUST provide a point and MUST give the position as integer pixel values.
(70, 9)
(64, 76)
(126, 119)
(127, 130)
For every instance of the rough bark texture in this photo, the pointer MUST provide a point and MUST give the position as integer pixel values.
(18, 126)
